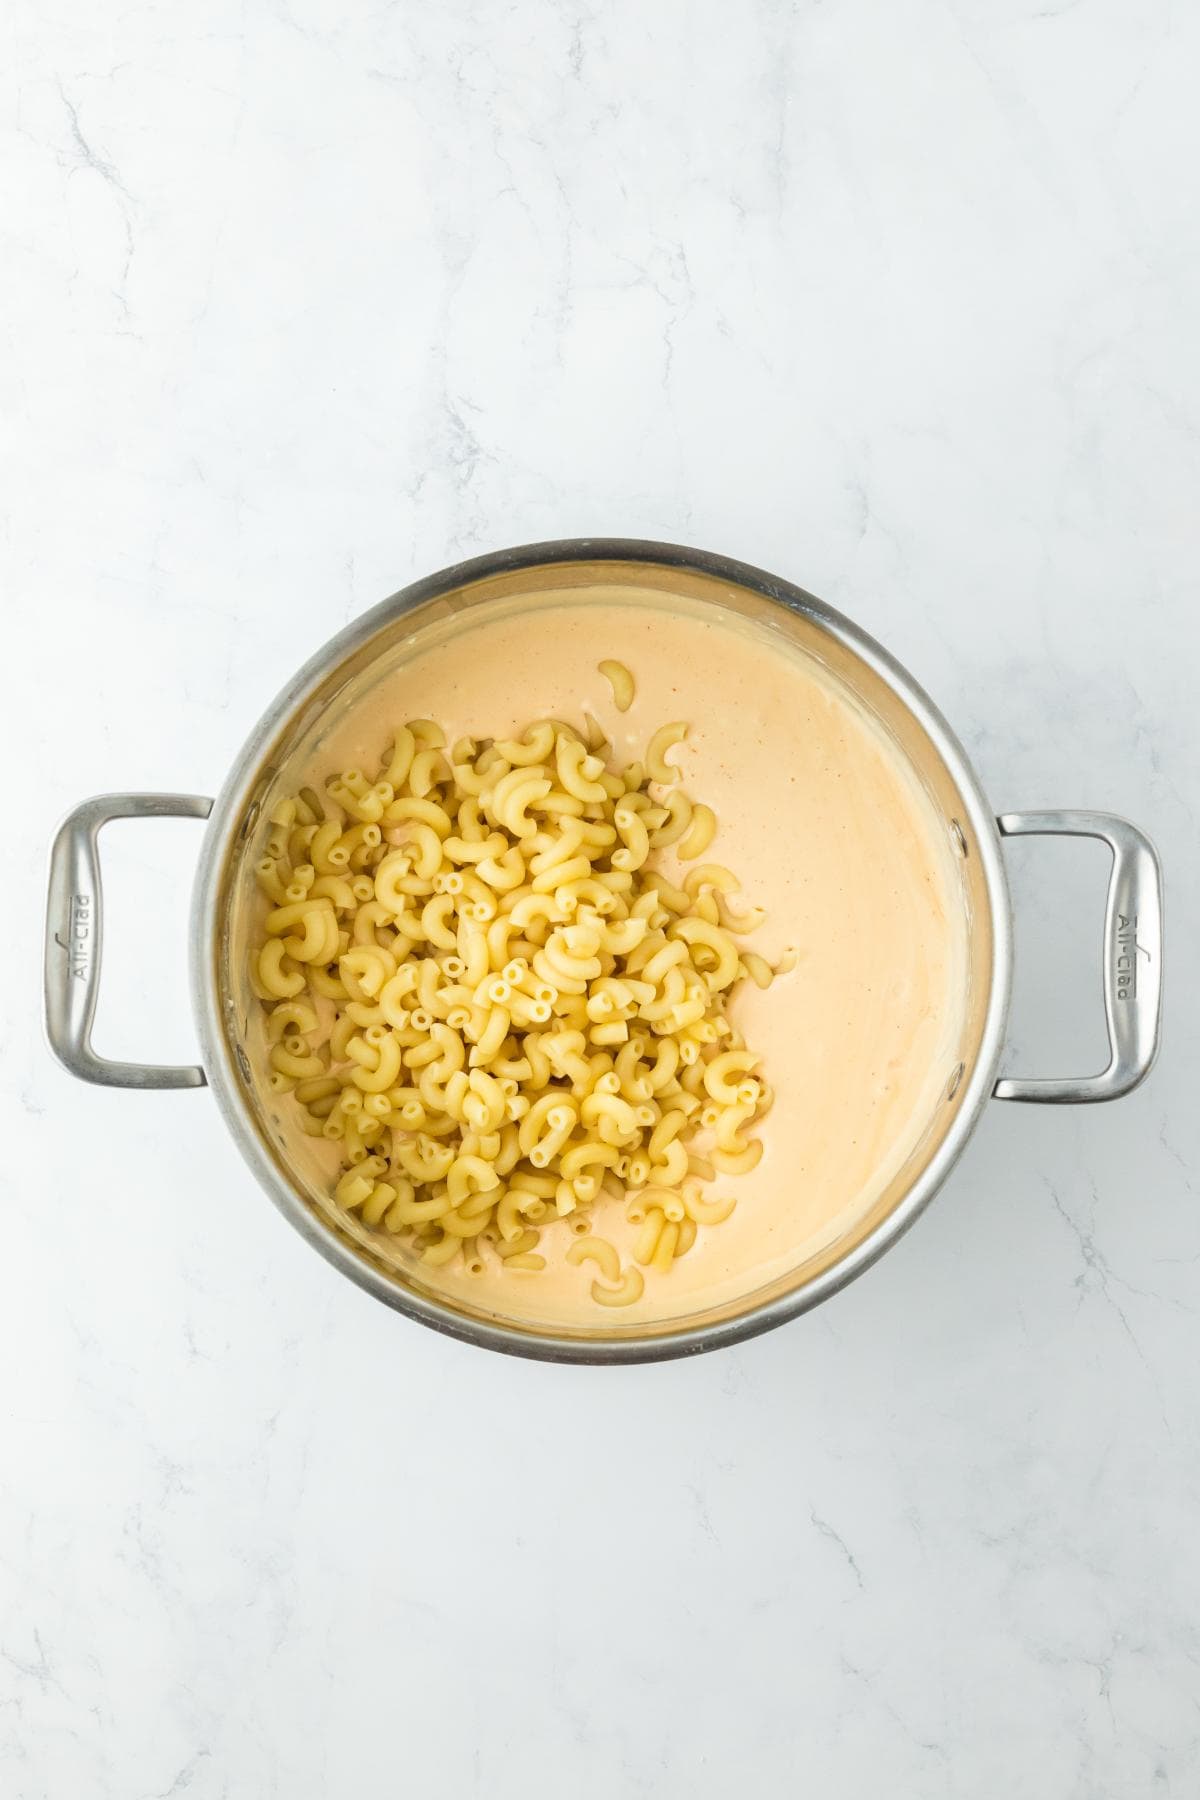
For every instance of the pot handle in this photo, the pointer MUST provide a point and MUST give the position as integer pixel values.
(74, 937)
(1133, 936)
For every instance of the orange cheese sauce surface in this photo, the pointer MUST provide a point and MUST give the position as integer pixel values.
(827, 827)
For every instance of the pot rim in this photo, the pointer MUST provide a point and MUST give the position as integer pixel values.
(217, 1055)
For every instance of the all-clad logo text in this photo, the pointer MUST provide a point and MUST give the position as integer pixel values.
(1128, 951)
(79, 936)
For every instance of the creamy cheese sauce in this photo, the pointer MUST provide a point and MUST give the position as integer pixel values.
(828, 828)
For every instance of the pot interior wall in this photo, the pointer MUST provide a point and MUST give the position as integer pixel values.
(305, 1165)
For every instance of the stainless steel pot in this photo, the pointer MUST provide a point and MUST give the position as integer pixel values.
(449, 602)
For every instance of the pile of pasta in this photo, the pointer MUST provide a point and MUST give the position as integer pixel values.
(483, 991)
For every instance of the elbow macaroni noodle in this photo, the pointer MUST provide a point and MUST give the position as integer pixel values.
(620, 680)
(480, 990)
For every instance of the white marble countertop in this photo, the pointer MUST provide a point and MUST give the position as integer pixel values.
(303, 300)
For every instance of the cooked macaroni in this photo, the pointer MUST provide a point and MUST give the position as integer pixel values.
(620, 679)
(506, 1019)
